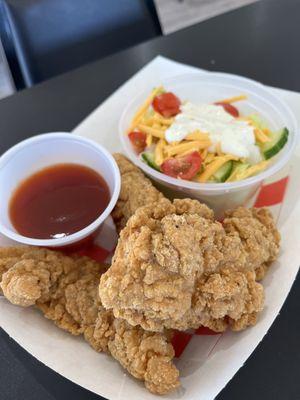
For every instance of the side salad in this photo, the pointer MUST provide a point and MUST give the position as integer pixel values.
(202, 142)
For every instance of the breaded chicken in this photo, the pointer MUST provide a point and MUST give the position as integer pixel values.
(65, 289)
(259, 237)
(175, 267)
(136, 191)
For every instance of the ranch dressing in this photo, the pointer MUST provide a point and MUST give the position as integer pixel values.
(235, 136)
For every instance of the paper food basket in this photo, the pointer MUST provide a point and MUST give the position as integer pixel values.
(206, 361)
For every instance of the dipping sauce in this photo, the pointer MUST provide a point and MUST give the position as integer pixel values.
(58, 201)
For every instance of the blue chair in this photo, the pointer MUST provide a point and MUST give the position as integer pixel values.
(44, 38)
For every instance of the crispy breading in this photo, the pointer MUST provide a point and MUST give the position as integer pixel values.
(259, 237)
(254, 227)
(136, 191)
(175, 267)
(146, 356)
(228, 297)
(66, 290)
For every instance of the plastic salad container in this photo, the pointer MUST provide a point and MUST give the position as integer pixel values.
(208, 88)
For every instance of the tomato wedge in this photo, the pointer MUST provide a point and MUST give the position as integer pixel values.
(138, 140)
(166, 104)
(183, 167)
(229, 108)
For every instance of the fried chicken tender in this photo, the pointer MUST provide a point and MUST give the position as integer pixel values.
(136, 191)
(230, 293)
(259, 237)
(177, 268)
(146, 355)
(65, 289)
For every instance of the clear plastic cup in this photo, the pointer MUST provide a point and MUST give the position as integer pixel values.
(209, 88)
(38, 152)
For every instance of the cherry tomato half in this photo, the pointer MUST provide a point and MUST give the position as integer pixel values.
(167, 104)
(229, 108)
(138, 140)
(183, 167)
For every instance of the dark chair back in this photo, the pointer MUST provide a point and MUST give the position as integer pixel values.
(43, 38)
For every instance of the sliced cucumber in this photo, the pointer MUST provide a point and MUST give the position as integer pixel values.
(149, 159)
(278, 141)
(237, 169)
(222, 173)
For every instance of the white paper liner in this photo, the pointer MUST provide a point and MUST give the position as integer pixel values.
(208, 362)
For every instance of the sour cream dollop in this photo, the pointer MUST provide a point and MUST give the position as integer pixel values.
(235, 136)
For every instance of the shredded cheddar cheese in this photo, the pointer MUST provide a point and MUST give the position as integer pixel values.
(158, 152)
(149, 139)
(162, 120)
(218, 149)
(266, 131)
(159, 133)
(214, 166)
(233, 99)
(203, 154)
(187, 152)
(183, 147)
(260, 136)
(253, 170)
(144, 107)
(197, 136)
(208, 159)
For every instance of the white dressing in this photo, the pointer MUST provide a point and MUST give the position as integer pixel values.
(235, 136)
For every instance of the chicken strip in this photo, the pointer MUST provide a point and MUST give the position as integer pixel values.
(136, 191)
(65, 289)
(177, 268)
(259, 237)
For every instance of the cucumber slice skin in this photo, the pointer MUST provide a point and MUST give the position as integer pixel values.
(148, 158)
(271, 149)
(223, 173)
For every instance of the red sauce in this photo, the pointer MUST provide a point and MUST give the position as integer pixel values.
(58, 201)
